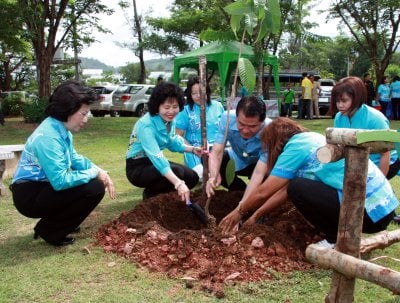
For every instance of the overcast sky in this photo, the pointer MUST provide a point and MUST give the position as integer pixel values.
(108, 52)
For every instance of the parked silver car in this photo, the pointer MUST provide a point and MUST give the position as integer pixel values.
(131, 99)
(103, 105)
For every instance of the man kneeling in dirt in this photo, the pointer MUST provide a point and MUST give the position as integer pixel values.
(245, 126)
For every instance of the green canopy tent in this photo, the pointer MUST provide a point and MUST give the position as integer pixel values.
(223, 56)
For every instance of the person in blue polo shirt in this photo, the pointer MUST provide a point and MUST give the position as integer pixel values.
(188, 122)
(52, 181)
(348, 100)
(146, 164)
(243, 135)
(316, 189)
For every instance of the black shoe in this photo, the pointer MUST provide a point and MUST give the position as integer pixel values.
(64, 242)
(35, 235)
(396, 219)
(76, 230)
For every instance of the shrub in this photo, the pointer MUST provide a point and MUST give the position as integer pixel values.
(33, 112)
(12, 105)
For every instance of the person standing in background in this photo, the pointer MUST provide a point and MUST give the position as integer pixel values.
(306, 89)
(288, 99)
(395, 97)
(316, 90)
(384, 96)
(370, 89)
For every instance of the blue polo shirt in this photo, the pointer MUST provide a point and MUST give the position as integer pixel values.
(243, 151)
(298, 159)
(150, 137)
(395, 89)
(384, 92)
(188, 120)
(49, 156)
(366, 117)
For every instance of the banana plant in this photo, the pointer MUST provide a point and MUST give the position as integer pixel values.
(257, 19)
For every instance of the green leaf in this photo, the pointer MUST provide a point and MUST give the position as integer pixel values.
(230, 172)
(235, 23)
(274, 13)
(250, 21)
(247, 74)
(238, 8)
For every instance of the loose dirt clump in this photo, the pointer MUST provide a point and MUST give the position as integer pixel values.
(164, 235)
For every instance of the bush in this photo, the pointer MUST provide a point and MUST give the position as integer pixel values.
(33, 112)
(12, 105)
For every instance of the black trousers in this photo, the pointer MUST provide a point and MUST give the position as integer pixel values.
(319, 204)
(60, 212)
(142, 173)
(396, 108)
(237, 183)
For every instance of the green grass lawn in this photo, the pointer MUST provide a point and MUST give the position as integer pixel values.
(32, 271)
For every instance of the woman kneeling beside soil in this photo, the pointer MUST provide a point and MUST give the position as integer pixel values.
(295, 173)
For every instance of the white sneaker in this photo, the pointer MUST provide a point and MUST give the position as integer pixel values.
(325, 244)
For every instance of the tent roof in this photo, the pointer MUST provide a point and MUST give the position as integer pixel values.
(227, 51)
(221, 56)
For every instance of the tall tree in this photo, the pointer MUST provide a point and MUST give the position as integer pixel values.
(15, 51)
(190, 24)
(49, 25)
(374, 24)
(138, 28)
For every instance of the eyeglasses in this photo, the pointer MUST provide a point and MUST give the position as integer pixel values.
(84, 114)
(196, 94)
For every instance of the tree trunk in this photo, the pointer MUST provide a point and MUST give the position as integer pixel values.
(44, 78)
(330, 153)
(352, 267)
(379, 241)
(142, 76)
(350, 220)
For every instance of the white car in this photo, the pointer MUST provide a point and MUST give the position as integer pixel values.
(325, 94)
(103, 105)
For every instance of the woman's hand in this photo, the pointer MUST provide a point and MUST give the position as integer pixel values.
(107, 182)
(230, 224)
(183, 190)
(198, 151)
(211, 185)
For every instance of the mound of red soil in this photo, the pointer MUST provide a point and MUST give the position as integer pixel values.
(164, 235)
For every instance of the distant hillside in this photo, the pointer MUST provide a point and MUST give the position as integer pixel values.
(151, 65)
(90, 63)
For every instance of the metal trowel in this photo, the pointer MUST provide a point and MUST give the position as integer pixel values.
(198, 211)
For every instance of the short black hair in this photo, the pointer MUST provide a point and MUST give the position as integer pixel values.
(162, 92)
(252, 106)
(67, 99)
